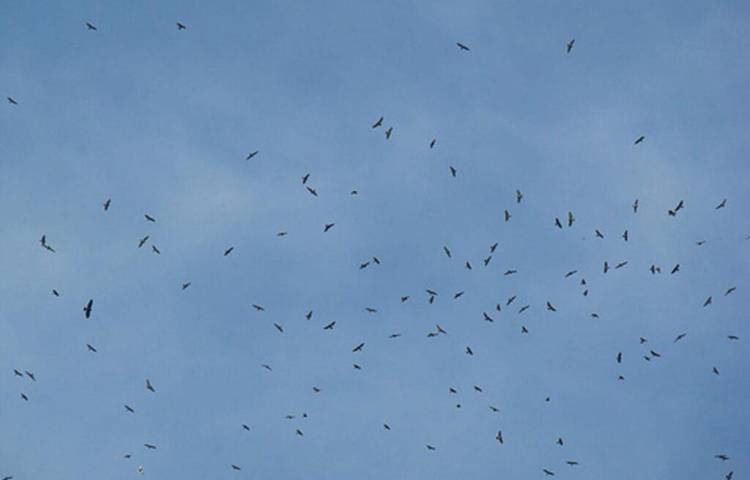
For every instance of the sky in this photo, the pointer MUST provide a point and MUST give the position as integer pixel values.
(160, 121)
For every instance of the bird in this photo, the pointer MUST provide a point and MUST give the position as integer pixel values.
(304, 178)
(378, 123)
(487, 318)
(129, 409)
(598, 234)
(245, 427)
(9, 477)
(186, 285)
(150, 446)
(606, 267)
(432, 143)
(328, 226)
(569, 45)
(453, 171)
(90, 26)
(722, 457)
(90, 348)
(620, 265)
(359, 347)
(493, 247)
(309, 315)
(155, 250)
(708, 301)
(299, 432)
(388, 133)
(571, 219)
(551, 307)
(625, 236)
(458, 295)
(675, 269)
(278, 327)
(467, 265)
(258, 308)
(370, 310)
(251, 155)
(571, 273)
(729, 475)
(23, 395)
(447, 251)
(478, 388)
(559, 441)
(733, 337)
(524, 308)
(440, 329)
(87, 308)
(266, 366)
(499, 437)
(619, 357)
(330, 325)
(558, 224)
(143, 241)
(106, 204)
(730, 290)
(469, 351)
(17, 373)
(430, 447)
(507, 215)
(519, 196)
(228, 251)
(571, 462)
(715, 370)
(149, 218)
(236, 467)
(181, 26)
(680, 337)
(55, 293)
(149, 386)
(12, 100)
(722, 204)
(30, 375)
(635, 206)
(548, 472)
(312, 191)
(639, 140)
(386, 426)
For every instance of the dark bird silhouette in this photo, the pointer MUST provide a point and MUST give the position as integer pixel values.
(654, 269)
(388, 133)
(722, 204)
(309, 315)
(143, 241)
(299, 432)
(469, 351)
(569, 45)
(733, 337)
(235, 467)
(328, 226)
(305, 177)
(619, 357)
(625, 236)
(378, 123)
(635, 206)
(312, 191)
(571, 219)
(447, 252)
(12, 101)
(524, 308)
(155, 250)
(458, 295)
(551, 307)
(17, 373)
(430, 447)
(715, 370)
(386, 426)
(519, 196)
(258, 308)
(55, 293)
(432, 143)
(639, 139)
(499, 437)
(245, 427)
(510, 272)
(266, 366)
(129, 409)
(510, 300)
(467, 265)
(278, 327)
(477, 388)
(453, 172)
(371, 310)
(680, 337)
(251, 155)
(606, 267)
(186, 285)
(87, 308)
(149, 386)
(548, 472)
(559, 441)
(708, 301)
(598, 234)
(675, 269)
(90, 348)
(106, 204)
(487, 318)
(359, 347)
(150, 446)
(440, 329)
(494, 408)
(149, 218)
(181, 26)
(493, 247)
(90, 26)
(507, 215)
(23, 395)
(330, 325)
(461, 46)
(571, 273)
(571, 462)
(620, 265)
(557, 223)
(730, 290)
(228, 251)
(357, 367)
(30, 375)
(722, 457)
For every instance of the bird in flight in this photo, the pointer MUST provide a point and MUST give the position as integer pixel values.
(680, 337)
(149, 386)
(461, 46)
(499, 436)
(430, 447)
(150, 446)
(635, 206)
(12, 101)
(378, 123)
(43, 242)
(90, 26)
(149, 218)
(90, 348)
(722, 204)
(548, 472)
(359, 347)
(143, 241)
(235, 467)
(186, 285)
(259, 308)
(228, 251)
(330, 325)
(328, 226)
(569, 45)
(87, 308)
(181, 26)
(388, 133)
(251, 155)
(106, 204)
(453, 171)
(129, 409)
(639, 140)
(433, 142)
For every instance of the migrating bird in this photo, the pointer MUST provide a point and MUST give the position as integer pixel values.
(129, 409)
(181, 26)
(461, 46)
(235, 467)
(432, 143)
(150, 446)
(228, 251)
(328, 226)
(635, 206)
(149, 218)
(722, 204)
(569, 45)
(453, 171)
(378, 123)
(330, 325)
(186, 285)
(507, 215)
(106, 204)
(12, 101)
(548, 472)
(358, 348)
(143, 241)
(87, 308)
(251, 155)
(499, 436)
(155, 250)
(278, 327)
(258, 308)
(388, 133)
(90, 348)
(149, 386)
(90, 26)
(680, 337)
(639, 140)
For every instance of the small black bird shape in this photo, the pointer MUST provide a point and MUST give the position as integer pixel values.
(569, 45)
(181, 26)
(87, 308)
(251, 155)
(461, 46)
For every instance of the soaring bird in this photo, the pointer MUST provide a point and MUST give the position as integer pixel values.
(722, 457)
(181, 26)
(675, 269)
(625, 236)
(507, 215)
(299, 432)
(150, 446)
(186, 285)
(259, 308)
(715, 370)
(619, 357)
(245, 427)
(679, 337)
(305, 177)
(155, 250)
(429, 447)
(447, 251)
(106, 204)
(551, 307)
(458, 295)
(730, 290)
(309, 315)
(722, 204)
(499, 436)
(330, 325)
(571, 462)
(12, 101)
(149, 386)
(440, 329)
(17, 373)
(635, 206)
(571, 219)
(251, 155)
(143, 241)
(129, 409)
(228, 251)
(90, 348)
(90, 26)
(569, 45)
(708, 301)
(328, 226)
(386, 426)
(548, 472)
(559, 441)
(469, 351)
(149, 218)
(493, 247)
(378, 123)
(433, 142)
(558, 224)
(598, 234)
(388, 133)
(639, 139)
(461, 46)
(359, 347)
(30, 375)
(87, 308)
(55, 293)
(453, 171)
(312, 191)
(23, 395)
(278, 327)
(235, 467)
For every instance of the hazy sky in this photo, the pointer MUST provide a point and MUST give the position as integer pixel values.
(161, 120)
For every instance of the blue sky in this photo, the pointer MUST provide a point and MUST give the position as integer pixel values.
(161, 120)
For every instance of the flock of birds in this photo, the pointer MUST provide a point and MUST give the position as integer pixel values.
(568, 221)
